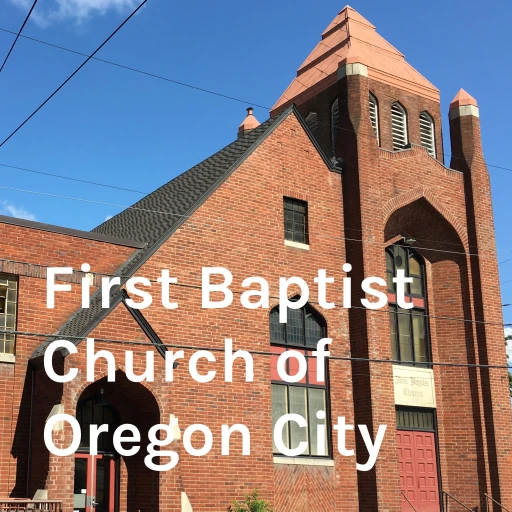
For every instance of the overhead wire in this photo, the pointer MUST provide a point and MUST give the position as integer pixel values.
(239, 292)
(191, 86)
(254, 352)
(74, 72)
(18, 34)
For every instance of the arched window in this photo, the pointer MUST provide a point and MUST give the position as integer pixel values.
(409, 327)
(335, 123)
(305, 327)
(374, 116)
(312, 122)
(427, 133)
(399, 126)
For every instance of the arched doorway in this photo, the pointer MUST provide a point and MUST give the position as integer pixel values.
(108, 482)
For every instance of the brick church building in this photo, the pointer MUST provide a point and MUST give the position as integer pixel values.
(348, 168)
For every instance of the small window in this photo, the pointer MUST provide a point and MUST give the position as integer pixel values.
(335, 123)
(374, 116)
(427, 133)
(8, 307)
(312, 122)
(399, 126)
(296, 220)
(305, 327)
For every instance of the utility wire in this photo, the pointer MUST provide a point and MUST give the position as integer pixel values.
(93, 201)
(74, 72)
(238, 292)
(147, 193)
(190, 86)
(18, 35)
(72, 179)
(254, 352)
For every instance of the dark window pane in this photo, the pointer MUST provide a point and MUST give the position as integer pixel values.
(295, 327)
(392, 328)
(295, 220)
(314, 331)
(277, 330)
(414, 418)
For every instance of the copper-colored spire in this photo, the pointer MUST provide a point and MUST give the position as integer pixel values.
(249, 123)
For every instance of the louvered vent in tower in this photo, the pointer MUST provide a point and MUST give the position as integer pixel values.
(312, 122)
(398, 126)
(427, 134)
(335, 122)
(374, 116)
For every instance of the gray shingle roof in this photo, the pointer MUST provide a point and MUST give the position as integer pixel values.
(155, 217)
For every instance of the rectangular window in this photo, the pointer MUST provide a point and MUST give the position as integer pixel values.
(8, 307)
(408, 335)
(296, 220)
(414, 418)
(304, 398)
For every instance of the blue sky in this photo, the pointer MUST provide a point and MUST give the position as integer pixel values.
(117, 127)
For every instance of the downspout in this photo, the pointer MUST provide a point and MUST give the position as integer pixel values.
(29, 465)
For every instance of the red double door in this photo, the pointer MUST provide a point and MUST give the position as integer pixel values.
(95, 483)
(418, 471)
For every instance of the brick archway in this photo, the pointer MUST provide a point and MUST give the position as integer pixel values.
(422, 192)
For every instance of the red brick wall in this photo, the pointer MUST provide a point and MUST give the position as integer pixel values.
(40, 249)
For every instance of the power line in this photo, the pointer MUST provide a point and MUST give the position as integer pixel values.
(136, 70)
(72, 179)
(238, 292)
(93, 201)
(501, 262)
(75, 72)
(147, 193)
(18, 35)
(254, 352)
(190, 86)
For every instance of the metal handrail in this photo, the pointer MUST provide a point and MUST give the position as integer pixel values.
(487, 498)
(412, 506)
(448, 495)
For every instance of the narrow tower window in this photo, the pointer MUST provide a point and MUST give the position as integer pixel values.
(398, 126)
(374, 116)
(312, 122)
(335, 122)
(427, 133)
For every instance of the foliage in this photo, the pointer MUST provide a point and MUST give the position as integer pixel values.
(251, 504)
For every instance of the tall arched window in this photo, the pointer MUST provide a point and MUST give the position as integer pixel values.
(399, 126)
(305, 327)
(335, 123)
(374, 116)
(427, 133)
(409, 327)
(312, 122)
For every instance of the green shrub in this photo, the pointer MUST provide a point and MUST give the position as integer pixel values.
(251, 504)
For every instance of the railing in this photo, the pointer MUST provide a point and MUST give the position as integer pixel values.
(447, 496)
(489, 499)
(15, 505)
(412, 506)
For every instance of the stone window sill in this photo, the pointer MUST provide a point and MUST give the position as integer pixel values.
(7, 358)
(303, 461)
(297, 245)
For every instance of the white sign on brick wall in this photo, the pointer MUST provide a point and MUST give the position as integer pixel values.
(414, 386)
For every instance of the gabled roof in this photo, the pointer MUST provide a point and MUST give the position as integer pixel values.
(155, 217)
(348, 39)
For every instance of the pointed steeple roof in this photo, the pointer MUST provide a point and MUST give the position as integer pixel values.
(463, 98)
(351, 38)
